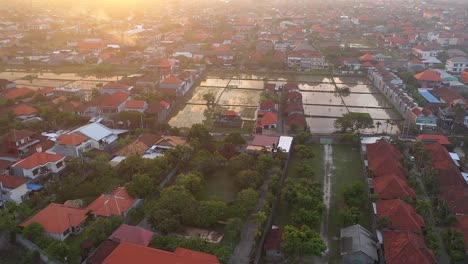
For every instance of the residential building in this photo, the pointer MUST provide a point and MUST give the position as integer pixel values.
(113, 103)
(117, 203)
(19, 141)
(272, 245)
(16, 94)
(456, 65)
(13, 188)
(132, 234)
(72, 145)
(306, 60)
(162, 145)
(425, 52)
(131, 253)
(136, 105)
(390, 186)
(39, 164)
(174, 85)
(114, 87)
(70, 92)
(24, 112)
(428, 79)
(401, 216)
(406, 247)
(6, 84)
(358, 245)
(101, 135)
(59, 221)
(159, 110)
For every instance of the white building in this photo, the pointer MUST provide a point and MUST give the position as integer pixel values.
(456, 65)
(13, 188)
(39, 164)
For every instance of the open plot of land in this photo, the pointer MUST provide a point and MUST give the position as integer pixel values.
(321, 98)
(321, 125)
(59, 76)
(366, 100)
(42, 82)
(102, 79)
(347, 170)
(377, 113)
(312, 78)
(215, 82)
(85, 85)
(190, 115)
(324, 110)
(14, 75)
(200, 91)
(247, 84)
(240, 97)
(246, 113)
(327, 87)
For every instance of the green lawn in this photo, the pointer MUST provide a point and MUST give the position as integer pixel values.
(348, 170)
(282, 217)
(220, 186)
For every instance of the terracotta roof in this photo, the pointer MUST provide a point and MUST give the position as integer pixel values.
(291, 86)
(16, 135)
(24, 110)
(367, 57)
(114, 100)
(297, 120)
(165, 63)
(45, 90)
(101, 253)
(406, 247)
(456, 197)
(73, 139)
(383, 158)
(429, 76)
(264, 141)
(135, 104)
(367, 64)
(12, 182)
(116, 86)
(273, 240)
(391, 186)
(149, 139)
(294, 95)
(5, 164)
(130, 253)
(441, 139)
(402, 216)
(165, 104)
(132, 234)
(447, 95)
(56, 218)
(172, 80)
(37, 159)
(172, 141)
(116, 203)
(267, 105)
(449, 174)
(269, 119)
(18, 92)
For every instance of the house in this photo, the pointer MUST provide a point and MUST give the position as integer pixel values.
(268, 121)
(228, 119)
(131, 253)
(113, 87)
(59, 221)
(294, 108)
(267, 106)
(72, 145)
(401, 216)
(132, 234)
(70, 92)
(296, 121)
(425, 52)
(113, 103)
(24, 111)
(18, 93)
(416, 65)
(162, 145)
(174, 85)
(6, 84)
(117, 203)
(358, 245)
(139, 146)
(136, 105)
(462, 226)
(263, 142)
(390, 186)
(39, 164)
(456, 65)
(455, 53)
(406, 247)
(293, 97)
(13, 188)
(101, 253)
(368, 58)
(383, 158)
(306, 60)
(432, 138)
(428, 79)
(100, 134)
(272, 245)
(19, 141)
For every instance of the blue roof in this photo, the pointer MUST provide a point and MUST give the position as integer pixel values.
(428, 96)
(34, 187)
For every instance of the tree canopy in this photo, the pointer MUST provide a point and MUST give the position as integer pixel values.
(353, 122)
(303, 241)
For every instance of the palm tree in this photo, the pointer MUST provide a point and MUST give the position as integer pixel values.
(378, 124)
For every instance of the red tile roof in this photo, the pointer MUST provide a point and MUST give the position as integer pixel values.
(402, 216)
(391, 186)
(267, 105)
(37, 159)
(24, 110)
(383, 158)
(441, 139)
(172, 80)
(114, 100)
(269, 119)
(456, 197)
(56, 218)
(367, 57)
(291, 87)
(132, 234)
(116, 203)
(294, 95)
(101, 253)
(448, 173)
(230, 113)
(135, 104)
(429, 76)
(16, 135)
(406, 247)
(12, 182)
(273, 240)
(367, 64)
(73, 139)
(265, 141)
(448, 95)
(130, 253)
(45, 90)
(18, 92)
(297, 120)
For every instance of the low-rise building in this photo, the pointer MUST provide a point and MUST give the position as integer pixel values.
(358, 245)
(72, 145)
(456, 65)
(117, 203)
(18, 142)
(13, 188)
(39, 164)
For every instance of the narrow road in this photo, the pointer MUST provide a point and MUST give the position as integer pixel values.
(327, 185)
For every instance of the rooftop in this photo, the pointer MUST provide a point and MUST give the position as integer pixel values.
(38, 159)
(132, 234)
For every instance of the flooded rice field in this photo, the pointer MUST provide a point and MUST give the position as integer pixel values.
(321, 100)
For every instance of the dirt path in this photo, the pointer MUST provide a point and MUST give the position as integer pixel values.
(327, 184)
